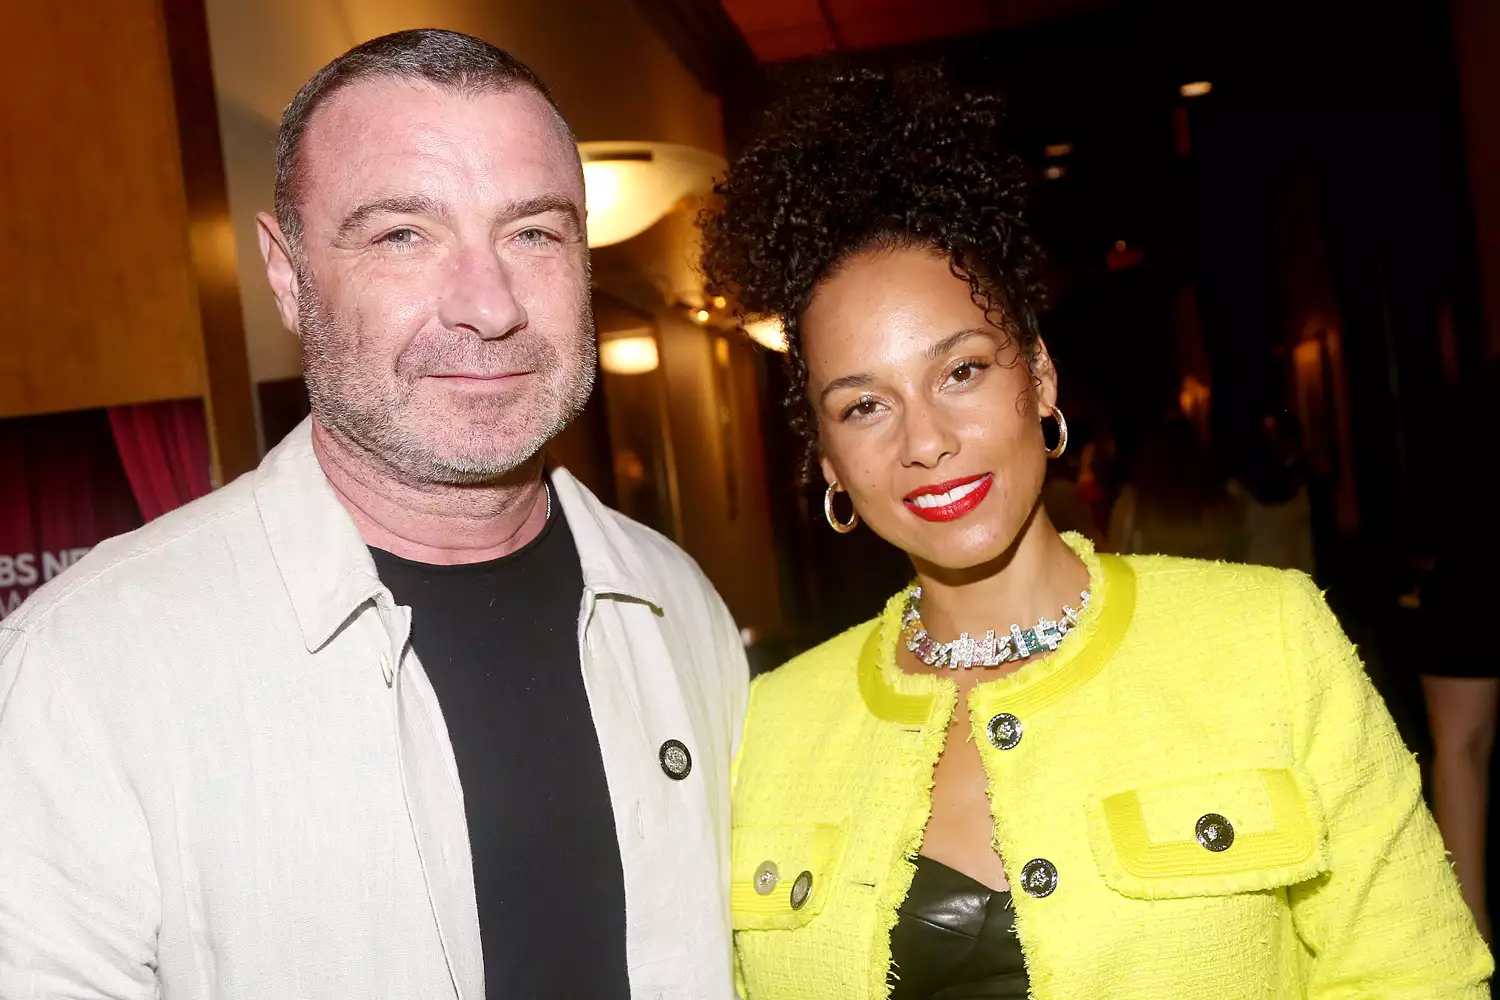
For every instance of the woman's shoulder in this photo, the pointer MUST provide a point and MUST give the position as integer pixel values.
(1204, 601)
(1230, 611)
(797, 702)
(1195, 581)
(829, 664)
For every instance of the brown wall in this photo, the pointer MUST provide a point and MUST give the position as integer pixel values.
(109, 253)
(93, 239)
(713, 417)
(726, 522)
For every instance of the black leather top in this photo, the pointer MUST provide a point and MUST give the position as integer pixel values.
(955, 939)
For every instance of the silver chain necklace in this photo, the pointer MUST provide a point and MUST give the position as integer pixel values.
(992, 650)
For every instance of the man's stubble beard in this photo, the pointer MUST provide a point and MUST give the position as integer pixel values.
(374, 413)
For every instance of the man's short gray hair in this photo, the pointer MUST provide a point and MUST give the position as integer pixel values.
(448, 59)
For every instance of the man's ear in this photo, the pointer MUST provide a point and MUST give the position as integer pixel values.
(281, 273)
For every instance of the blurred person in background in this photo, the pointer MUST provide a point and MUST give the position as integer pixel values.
(1071, 488)
(399, 714)
(1173, 501)
(1041, 771)
(1461, 692)
(1273, 492)
(1461, 685)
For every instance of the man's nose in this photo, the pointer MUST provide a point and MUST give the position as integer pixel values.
(481, 297)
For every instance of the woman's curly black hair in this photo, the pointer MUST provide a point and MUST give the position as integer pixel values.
(868, 160)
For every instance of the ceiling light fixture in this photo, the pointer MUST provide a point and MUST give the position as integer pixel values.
(629, 355)
(1196, 89)
(768, 333)
(1054, 172)
(630, 186)
(1058, 149)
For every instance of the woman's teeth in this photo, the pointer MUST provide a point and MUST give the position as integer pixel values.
(944, 499)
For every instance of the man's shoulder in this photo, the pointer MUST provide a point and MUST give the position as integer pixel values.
(662, 556)
(655, 560)
(665, 567)
(168, 554)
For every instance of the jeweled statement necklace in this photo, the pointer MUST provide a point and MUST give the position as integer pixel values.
(992, 650)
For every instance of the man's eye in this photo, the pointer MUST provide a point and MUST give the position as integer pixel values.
(535, 236)
(399, 237)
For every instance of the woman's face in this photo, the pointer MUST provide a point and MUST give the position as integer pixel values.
(927, 416)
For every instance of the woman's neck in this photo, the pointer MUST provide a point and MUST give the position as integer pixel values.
(1033, 579)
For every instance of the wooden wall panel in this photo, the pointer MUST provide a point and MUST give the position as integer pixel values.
(99, 304)
(230, 407)
(114, 258)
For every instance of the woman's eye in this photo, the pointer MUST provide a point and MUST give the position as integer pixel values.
(861, 408)
(967, 371)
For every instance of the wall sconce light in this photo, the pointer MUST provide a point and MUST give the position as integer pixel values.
(629, 186)
(1122, 256)
(1193, 399)
(768, 333)
(1058, 149)
(1198, 88)
(633, 355)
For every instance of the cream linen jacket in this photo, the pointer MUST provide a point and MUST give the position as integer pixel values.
(223, 772)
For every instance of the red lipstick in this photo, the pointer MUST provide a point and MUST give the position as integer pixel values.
(970, 493)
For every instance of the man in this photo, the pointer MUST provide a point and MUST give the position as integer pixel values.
(394, 715)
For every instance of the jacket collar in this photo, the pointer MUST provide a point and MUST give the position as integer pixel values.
(894, 695)
(609, 553)
(327, 568)
(324, 563)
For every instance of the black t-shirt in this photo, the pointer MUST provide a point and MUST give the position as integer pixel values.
(499, 641)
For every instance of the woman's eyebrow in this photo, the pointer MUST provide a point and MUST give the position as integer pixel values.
(844, 382)
(951, 341)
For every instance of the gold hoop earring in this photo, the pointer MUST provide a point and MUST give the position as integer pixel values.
(1062, 435)
(842, 527)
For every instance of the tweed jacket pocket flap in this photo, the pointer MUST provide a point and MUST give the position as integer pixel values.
(1238, 831)
(781, 876)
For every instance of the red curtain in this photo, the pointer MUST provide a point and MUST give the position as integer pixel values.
(62, 491)
(164, 448)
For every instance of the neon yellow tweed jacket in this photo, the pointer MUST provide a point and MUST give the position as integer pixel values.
(1191, 689)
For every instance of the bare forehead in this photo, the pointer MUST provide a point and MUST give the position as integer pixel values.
(384, 124)
(901, 279)
(902, 298)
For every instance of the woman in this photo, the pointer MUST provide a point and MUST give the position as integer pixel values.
(1177, 782)
(1174, 502)
(1273, 491)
